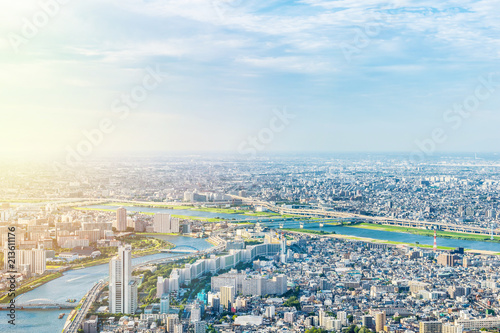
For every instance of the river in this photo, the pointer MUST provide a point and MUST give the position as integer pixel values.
(350, 231)
(183, 212)
(396, 236)
(74, 284)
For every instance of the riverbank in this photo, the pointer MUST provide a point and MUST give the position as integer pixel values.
(184, 217)
(425, 232)
(193, 208)
(31, 285)
(307, 231)
(378, 241)
(137, 253)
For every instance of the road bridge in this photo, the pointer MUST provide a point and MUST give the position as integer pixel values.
(371, 219)
(182, 249)
(41, 303)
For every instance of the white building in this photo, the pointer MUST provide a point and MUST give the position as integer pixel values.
(34, 260)
(165, 304)
(121, 219)
(195, 313)
(122, 287)
(162, 286)
(165, 223)
(200, 327)
(227, 296)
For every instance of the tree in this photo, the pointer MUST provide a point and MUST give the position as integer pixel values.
(292, 302)
(316, 330)
(351, 329)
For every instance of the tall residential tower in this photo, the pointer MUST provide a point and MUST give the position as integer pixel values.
(122, 287)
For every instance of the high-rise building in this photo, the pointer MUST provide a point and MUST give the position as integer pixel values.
(172, 321)
(31, 261)
(178, 328)
(165, 304)
(165, 223)
(446, 259)
(367, 321)
(195, 312)
(200, 327)
(122, 287)
(216, 304)
(380, 321)
(289, 317)
(342, 316)
(283, 249)
(121, 219)
(270, 311)
(162, 286)
(227, 296)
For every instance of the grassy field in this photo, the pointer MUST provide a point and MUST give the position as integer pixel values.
(150, 205)
(314, 232)
(424, 232)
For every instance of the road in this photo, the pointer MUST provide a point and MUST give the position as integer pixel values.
(82, 313)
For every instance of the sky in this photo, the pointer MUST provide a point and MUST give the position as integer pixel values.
(104, 76)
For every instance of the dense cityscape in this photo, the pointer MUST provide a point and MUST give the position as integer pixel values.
(273, 255)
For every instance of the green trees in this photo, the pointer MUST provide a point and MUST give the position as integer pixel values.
(316, 330)
(355, 329)
(292, 302)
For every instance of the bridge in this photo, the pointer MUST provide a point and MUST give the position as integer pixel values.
(371, 219)
(72, 326)
(41, 303)
(182, 249)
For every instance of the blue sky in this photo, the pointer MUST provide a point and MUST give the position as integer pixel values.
(228, 64)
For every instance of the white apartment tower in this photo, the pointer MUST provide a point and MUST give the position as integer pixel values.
(227, 296)
(29, 261)
(164, 223)
(283, 249)
(121, 219)
(122, 287)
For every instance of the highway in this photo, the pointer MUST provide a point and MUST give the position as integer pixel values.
(82, 313)
(370, 219)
